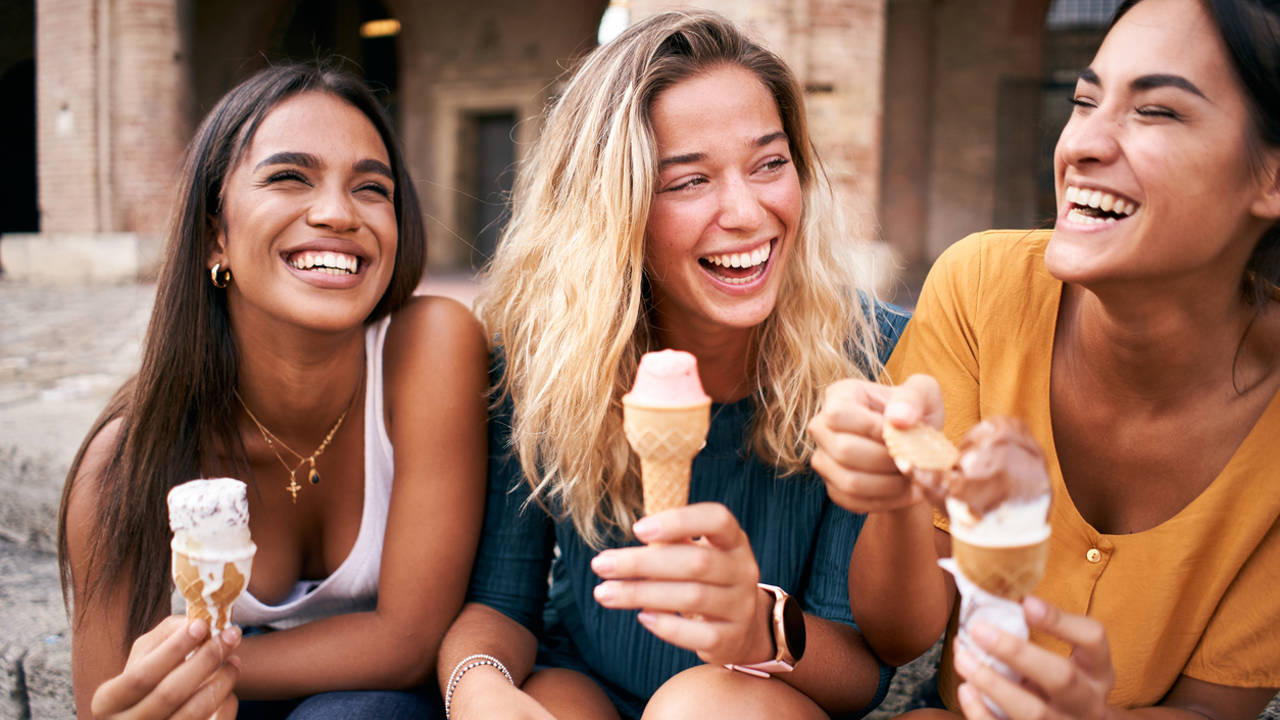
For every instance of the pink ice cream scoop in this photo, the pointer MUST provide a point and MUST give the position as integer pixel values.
(665, 417)
(667, 378)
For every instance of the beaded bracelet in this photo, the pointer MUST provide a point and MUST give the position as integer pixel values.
(466, 664)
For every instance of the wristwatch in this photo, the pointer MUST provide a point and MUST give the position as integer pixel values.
(788, 636)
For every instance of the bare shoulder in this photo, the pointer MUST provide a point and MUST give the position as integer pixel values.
(86, 486)
(433, 324)
(434, 343)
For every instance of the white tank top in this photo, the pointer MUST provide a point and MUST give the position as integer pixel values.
(353, 586)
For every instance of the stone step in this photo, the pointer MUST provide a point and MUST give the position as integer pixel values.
(35, 647)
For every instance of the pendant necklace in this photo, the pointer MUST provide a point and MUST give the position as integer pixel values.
(273, 440)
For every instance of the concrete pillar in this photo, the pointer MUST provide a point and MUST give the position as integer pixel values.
(71, 143)
(908, 112)
(114, 112)
(151, 110)
(987, 45)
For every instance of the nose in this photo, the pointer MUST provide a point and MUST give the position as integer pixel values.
(333, 208)
(740, 206)
(1089, 138)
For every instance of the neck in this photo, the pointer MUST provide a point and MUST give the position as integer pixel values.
(297, 383)
(1154, 347)
(725, 357)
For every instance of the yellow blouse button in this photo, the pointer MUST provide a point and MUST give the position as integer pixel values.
(1094, 555)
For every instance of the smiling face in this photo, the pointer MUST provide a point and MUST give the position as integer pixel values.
(726, 207)
(308, 224)
(1153, 171)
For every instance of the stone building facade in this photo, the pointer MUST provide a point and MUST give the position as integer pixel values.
(929, 114)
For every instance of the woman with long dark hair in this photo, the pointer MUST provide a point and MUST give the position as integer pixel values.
(1140, 341)
(286, 349)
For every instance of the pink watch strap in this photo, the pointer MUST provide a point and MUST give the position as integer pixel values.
(762, 670)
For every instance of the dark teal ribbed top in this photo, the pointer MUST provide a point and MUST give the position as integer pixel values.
(802, 542)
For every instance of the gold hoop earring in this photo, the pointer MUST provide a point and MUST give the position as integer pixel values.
(219, 277)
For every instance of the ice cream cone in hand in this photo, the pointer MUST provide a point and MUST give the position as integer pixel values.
(998, 502)
(665, 417)
(212, 550)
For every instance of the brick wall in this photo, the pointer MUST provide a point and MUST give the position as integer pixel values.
(151, 111)
(68, 115)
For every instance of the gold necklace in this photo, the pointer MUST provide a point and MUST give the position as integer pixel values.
(272, 440)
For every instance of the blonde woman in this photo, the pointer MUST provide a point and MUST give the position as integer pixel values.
(674, 201)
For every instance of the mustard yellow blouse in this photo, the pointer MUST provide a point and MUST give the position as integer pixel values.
(1198, 595)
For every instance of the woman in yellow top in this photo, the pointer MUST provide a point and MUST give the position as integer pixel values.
(1140, 341)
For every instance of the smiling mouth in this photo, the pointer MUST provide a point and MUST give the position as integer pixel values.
(1093, 207)
(738, 268)
(329, 263)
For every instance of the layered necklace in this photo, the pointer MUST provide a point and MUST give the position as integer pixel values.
(275, 443)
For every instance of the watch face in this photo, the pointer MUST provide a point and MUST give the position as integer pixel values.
(793, 627)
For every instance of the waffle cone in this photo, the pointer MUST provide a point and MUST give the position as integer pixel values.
(666, 439)
(215, 609)
(1010, 572)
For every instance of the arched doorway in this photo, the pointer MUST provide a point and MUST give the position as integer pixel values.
(18, 182)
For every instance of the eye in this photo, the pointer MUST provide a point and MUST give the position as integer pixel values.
(1158, 111)
(775, 163)
(378, 188)
(1081, 102)
(687, 184)
(287, 176)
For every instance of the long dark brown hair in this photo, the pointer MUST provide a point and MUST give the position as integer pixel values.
(179, 410)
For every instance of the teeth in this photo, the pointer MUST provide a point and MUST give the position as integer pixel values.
(741, 260)
(1106, 202)
(327, 262)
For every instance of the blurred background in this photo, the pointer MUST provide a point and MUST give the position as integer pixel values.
(935, 118)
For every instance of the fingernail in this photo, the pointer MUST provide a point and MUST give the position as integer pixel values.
(983, 634)
(604, 593)
(197, 629)
(231, 636)
(901, 411)
(965, 664)
(234, 660)
(646, 529)
(1034, 608)
(646, 618)
(966, 694)
(603, 564)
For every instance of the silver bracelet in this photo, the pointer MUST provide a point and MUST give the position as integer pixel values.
(466, 664)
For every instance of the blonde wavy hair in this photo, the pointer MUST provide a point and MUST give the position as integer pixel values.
(565, 295)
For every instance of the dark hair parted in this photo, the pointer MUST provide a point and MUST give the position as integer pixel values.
(178, 411)
(1250, 30)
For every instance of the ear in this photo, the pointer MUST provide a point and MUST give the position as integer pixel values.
(1267, 204)
(218, 250)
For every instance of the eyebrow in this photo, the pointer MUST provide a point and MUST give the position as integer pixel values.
(759, 142)
(1149, 82)
(307, 160)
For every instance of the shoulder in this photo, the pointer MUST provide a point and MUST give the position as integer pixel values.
(430, 329)
(434, 315)
(85, 486)
(431, 342)
(1007, 253)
